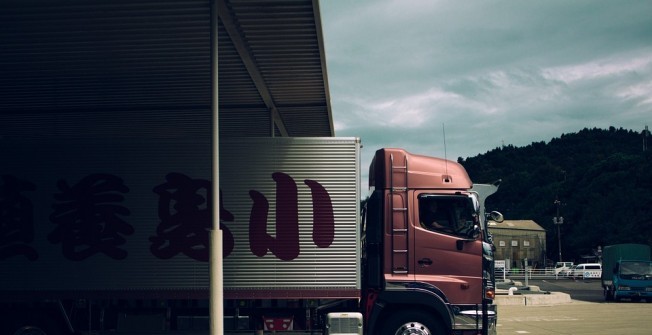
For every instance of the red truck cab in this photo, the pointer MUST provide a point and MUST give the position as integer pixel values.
(421, 276)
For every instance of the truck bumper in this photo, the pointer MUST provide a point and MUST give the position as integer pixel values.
(468, 319)
(633, 294)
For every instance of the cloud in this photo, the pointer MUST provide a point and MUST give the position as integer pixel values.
(641, 92)
(406, 112)
(596, 69)
(491, 72)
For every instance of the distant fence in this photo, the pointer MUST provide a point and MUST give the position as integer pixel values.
(514, 273)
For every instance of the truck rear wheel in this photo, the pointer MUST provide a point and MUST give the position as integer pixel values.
(410, 322)
(29, 330)
(34, 326)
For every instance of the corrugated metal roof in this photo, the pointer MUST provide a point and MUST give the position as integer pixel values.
(122, 60)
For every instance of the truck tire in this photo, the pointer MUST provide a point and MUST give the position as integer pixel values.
(29, 330)
(608, 294)
(411, 322)
(35, 326)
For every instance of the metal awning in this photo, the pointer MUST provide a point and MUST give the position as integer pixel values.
(74, 66)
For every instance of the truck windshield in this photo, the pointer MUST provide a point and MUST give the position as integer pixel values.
(632, 270)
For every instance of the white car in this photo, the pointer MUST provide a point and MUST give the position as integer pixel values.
(565, 272)
(586, 270)
(562, 267)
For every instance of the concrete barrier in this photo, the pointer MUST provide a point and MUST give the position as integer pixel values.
(554, 298)
(510, 300)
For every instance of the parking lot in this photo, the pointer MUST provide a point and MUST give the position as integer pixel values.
(577, 317)
(587, 313)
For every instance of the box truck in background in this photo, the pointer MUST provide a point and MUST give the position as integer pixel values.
(627, 272)
(115, 240)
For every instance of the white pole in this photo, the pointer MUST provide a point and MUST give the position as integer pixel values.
(216, 303)
(216, 287)
(526, 268)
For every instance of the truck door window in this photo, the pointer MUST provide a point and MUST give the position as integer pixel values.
(450, 215)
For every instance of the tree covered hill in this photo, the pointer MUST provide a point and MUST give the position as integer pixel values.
(602, 179)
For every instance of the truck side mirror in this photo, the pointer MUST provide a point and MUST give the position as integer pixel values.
(496, 216)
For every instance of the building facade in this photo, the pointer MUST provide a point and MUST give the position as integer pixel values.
(517, 240)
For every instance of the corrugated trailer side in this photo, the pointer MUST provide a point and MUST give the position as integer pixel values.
(115, 218)
(104, 217)
(291, 206)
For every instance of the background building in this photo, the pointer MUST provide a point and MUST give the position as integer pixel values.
(517, 240)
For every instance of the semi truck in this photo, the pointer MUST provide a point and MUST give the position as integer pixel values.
(116, 240)
(627, 272)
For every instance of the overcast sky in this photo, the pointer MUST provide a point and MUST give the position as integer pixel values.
(490, 73)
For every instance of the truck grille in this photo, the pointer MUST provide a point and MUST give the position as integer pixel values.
(344, 324)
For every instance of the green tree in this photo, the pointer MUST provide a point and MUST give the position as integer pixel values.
(602, 178)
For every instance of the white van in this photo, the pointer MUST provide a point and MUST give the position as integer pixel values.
(562, 266)
(586, 270)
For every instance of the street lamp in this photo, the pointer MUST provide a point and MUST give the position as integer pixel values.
(558, 221)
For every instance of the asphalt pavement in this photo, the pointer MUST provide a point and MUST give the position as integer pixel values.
(584, 290)
(585, 313)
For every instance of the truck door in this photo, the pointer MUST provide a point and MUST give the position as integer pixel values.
(445, 253)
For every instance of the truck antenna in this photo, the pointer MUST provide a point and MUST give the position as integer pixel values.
(443, 127)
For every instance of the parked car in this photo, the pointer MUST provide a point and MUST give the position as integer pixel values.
(562, 267)
(565, 272)
(585, 270)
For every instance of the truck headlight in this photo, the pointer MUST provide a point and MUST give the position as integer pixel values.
(623, 288)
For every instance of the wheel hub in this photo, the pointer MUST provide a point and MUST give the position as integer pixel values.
(413, 328)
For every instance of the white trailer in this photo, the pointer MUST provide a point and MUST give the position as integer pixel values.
(116, 229)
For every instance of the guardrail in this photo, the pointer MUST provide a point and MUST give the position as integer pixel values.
(514, 273)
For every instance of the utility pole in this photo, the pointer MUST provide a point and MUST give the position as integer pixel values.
(558, 221)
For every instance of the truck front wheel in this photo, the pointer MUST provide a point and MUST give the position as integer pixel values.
(410, 322)
(608, 294)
